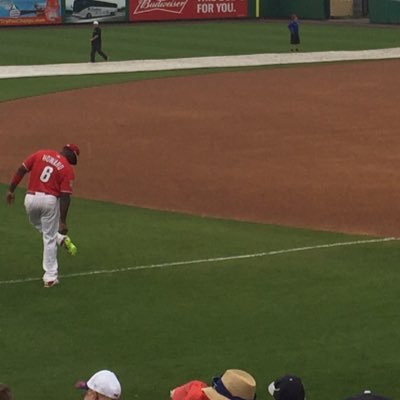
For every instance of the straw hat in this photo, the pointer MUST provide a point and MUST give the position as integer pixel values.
(234, 384)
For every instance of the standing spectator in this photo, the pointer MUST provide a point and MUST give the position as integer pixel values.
(103, 385)
(96, 43)
(234, 384)
(47, 201)
(294, 33)
(5, 392)
(288, 387)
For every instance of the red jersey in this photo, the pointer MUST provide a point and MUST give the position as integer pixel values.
(50, 173)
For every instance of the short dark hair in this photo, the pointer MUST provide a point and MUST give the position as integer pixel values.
(5, 392)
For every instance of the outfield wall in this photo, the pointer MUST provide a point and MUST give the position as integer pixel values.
(40, 12)
(305, 9)
(384, 11)
(50, 12)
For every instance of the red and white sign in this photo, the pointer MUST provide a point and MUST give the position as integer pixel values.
(157, 10)
(26, 12)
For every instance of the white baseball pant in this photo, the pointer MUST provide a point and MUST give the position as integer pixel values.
(44, 214)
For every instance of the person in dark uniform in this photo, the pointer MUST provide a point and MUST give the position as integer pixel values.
(294, 33)
(96, 43)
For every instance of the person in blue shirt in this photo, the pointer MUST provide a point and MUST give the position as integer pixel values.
(294, 33)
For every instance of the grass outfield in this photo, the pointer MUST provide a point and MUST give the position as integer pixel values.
(66, 44)
(329, 315)
(26, 87)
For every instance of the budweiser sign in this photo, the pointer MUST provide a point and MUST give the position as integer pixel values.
(169, 6)
(170, 10)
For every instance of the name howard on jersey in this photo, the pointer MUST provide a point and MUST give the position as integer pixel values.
(53, 161)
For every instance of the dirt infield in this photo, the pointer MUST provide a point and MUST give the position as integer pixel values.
(311, 146)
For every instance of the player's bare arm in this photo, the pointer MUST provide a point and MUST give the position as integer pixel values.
(10, 196)
(65, 200)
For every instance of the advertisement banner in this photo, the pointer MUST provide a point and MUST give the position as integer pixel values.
(84, 11)
(30, 12)
(157, 10)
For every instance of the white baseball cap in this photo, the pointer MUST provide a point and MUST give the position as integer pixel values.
(95, 22)
(106, 383)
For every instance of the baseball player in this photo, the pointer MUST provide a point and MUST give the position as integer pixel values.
(47, 201)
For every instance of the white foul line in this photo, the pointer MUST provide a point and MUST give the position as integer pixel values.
(208, 260)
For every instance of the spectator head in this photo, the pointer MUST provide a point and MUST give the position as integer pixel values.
(234, 384)
(288, 387)
(5, 392)
(367, 395)
(188, 391)
(103, 385)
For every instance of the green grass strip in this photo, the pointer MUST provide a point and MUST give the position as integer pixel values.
(321, 314)
(70, 44)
